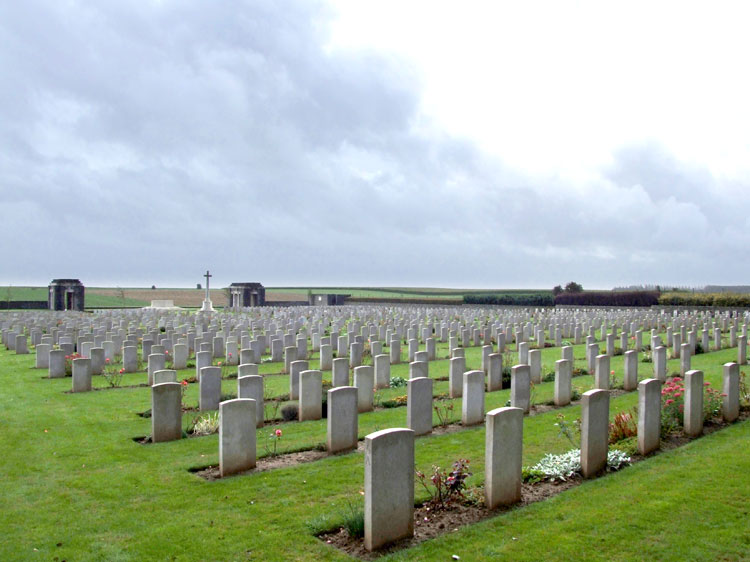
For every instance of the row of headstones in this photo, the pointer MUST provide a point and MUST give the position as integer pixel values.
(389, 454)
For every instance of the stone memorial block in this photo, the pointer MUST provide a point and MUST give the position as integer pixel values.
(98, 360)
(419, 405)
(56, 363)
(109, 350)
(455, 377)
(310, 395)
(610, 348)
(277, 350)
(382, 371)
(486, 351)
(458, 352)
(21, 347)
(179, 356)
(567, 353)
(237, 438)
(364, 380)
(165, 375)
(202, 359)
(602, 374)
(630, 378)
(250, 385)
(156, 362)
(431, 349)
(81, 375)
(302, 347)
(535, 365)
(494, 372)
(693, 409)
(146, 349)
(717, 339)
(418, 369)
(730, 403)
(684, 358)
(520, 387)
(649, 415)
(42, 356)
(395, 351)
(389, 486)
(232, 354)
(659, 358)
(340, 372)
(342, 419)
(563, 382)
(413, 348)
(130, 358)
(503, 457)
(209, 388)
(472, 405)
(68, 348)
(741, 350)
(376, 348)
(342, 346)
(295, 368)
(166, 412)
(592, 352)
(290, 356)
(523, 353)
(355, 354)
(594, 431)
(326, 357)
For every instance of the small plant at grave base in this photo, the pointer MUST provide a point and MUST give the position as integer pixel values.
(206, 424)
(69, 362)
(354, 520)
(712, 402)
(647, 358)
(566, 465)
(444, 410)
(580, 372)
(183, 389)
(225, 369)
(549, 377)
(531, 475)
(698, 348)
(168, 360)
(290, 412)
(446, 487)
(532, 394)
(744, 391)
(112, 374)
(398, 382)
(272, 442)
(572, 432)
(672, 406)
(614, 382)
(575, 394)
(624, 425)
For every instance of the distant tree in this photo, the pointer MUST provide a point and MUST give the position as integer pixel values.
(556, 290)
(573, 287)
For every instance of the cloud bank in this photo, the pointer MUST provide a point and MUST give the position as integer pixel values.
(141, 144)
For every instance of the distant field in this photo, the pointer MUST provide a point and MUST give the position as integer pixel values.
(136, 297)
(405, 292)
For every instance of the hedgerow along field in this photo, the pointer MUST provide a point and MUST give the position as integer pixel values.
(76, 486)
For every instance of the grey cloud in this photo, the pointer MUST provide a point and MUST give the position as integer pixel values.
(142, 143)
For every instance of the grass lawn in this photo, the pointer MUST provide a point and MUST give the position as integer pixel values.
(75, 486)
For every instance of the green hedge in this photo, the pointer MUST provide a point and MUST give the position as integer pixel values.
(512, 299)
(705, 299)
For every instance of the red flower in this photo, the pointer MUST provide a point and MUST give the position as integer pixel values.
(184, 382)
(668, 402)
(278, 433)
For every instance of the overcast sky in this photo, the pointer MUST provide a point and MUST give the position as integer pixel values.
(441, 144)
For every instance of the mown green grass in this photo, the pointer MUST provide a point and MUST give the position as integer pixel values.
(73, 475)
(92, 300)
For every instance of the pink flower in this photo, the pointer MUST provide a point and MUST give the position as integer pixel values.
(122, 371)
(278, 433)
(706, 384)
(670, 401)
(612, 372)
(184, 382)
(106, 360)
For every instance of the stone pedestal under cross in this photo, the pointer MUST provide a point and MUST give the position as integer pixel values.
(207, 304)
